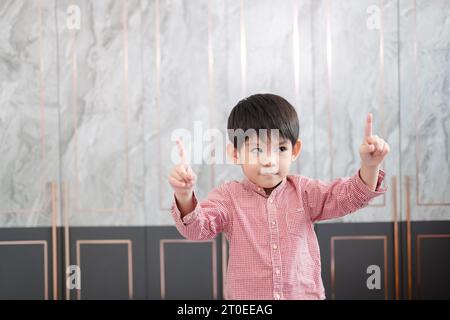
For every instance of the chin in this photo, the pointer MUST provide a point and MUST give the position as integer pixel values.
(269, 182)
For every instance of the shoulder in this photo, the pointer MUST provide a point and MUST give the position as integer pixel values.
(228, 188)
(298, 180)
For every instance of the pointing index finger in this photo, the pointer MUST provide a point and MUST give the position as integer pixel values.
(181, 152)
(368, 129)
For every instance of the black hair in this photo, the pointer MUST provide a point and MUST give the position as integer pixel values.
(263, 111)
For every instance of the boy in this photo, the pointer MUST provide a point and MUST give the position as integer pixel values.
(268, 217)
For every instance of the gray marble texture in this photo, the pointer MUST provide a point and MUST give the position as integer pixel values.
(87, 115)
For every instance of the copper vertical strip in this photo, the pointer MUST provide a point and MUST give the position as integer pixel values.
(41, 94)
(130, 270)
(329, 82)
(386, 289)
(162, 267)
(41, 81)
(158, 94)
(416, 99)
(162, 271)
(127, 202)
(243, 51)
(128, 242)
(65, 193)
(34, 242)
(296, 51)
(333, 270)
(395, 220)
(78, 262)
(296, 60)
(419, 267)
(382, 65)
(381, 85)
(54, 241)
(74, 55)
(408, 235)
(211, 84)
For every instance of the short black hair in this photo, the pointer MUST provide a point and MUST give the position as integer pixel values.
(264, 111)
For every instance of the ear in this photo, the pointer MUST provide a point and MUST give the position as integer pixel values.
(296, 150)
(232, 153)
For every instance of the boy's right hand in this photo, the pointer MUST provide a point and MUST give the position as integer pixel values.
(182, 178)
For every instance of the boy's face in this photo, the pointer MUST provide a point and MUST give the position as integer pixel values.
(267, 162)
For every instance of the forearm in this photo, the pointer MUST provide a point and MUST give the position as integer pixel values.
(185, 204)
(369, 175)
(200, 220)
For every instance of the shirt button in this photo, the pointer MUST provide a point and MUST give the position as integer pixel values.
(270, 200)
(274, 222)
(277, 296)
(275, 246)
(259, 189)
(277, 271)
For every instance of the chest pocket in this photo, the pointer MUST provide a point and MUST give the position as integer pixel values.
(296, 221)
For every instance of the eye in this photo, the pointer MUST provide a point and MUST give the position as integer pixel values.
(283, 149)
(256, 150)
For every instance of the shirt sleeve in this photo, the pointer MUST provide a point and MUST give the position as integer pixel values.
(209, 217)
(339, 197)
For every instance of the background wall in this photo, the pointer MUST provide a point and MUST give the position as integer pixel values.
(91, 91)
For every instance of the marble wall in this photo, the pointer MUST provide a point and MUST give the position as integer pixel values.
(91, 92)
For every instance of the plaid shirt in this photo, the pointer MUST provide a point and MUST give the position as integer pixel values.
(273, 249)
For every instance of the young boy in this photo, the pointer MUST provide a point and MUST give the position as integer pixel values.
(268, 217)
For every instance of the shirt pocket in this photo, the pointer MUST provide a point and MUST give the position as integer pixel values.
(296, 221)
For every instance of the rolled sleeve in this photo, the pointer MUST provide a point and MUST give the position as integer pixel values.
(363, 191)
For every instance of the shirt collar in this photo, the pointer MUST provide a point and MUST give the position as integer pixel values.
(260, 190)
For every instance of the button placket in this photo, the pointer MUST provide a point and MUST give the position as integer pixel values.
(275, 254)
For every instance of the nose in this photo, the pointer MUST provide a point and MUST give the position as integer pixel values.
(268, 160)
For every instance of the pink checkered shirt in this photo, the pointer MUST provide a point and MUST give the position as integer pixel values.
(273, 249)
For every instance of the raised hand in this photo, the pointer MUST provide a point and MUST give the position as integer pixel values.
(373, 149)
(182, 178)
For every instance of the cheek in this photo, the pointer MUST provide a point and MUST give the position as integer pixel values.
(285, 162)
(250, 169)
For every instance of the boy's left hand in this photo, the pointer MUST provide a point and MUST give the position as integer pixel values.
(373, 149)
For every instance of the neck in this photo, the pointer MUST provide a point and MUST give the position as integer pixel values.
(269, 190)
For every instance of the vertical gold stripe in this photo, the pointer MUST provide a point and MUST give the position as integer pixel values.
(395, 219)
(158, 94)
(66, 234)
(408, 235)
(211, 83)
(54, 241)
(329, 74)
(127, 202)
(243, 51)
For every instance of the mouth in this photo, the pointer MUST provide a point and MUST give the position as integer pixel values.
(268, 171)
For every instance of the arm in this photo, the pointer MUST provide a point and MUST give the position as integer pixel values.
(194, 220)
(339, 197)
(345, 195)
(206, 218)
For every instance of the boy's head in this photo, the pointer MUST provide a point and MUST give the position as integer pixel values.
(263, 130)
